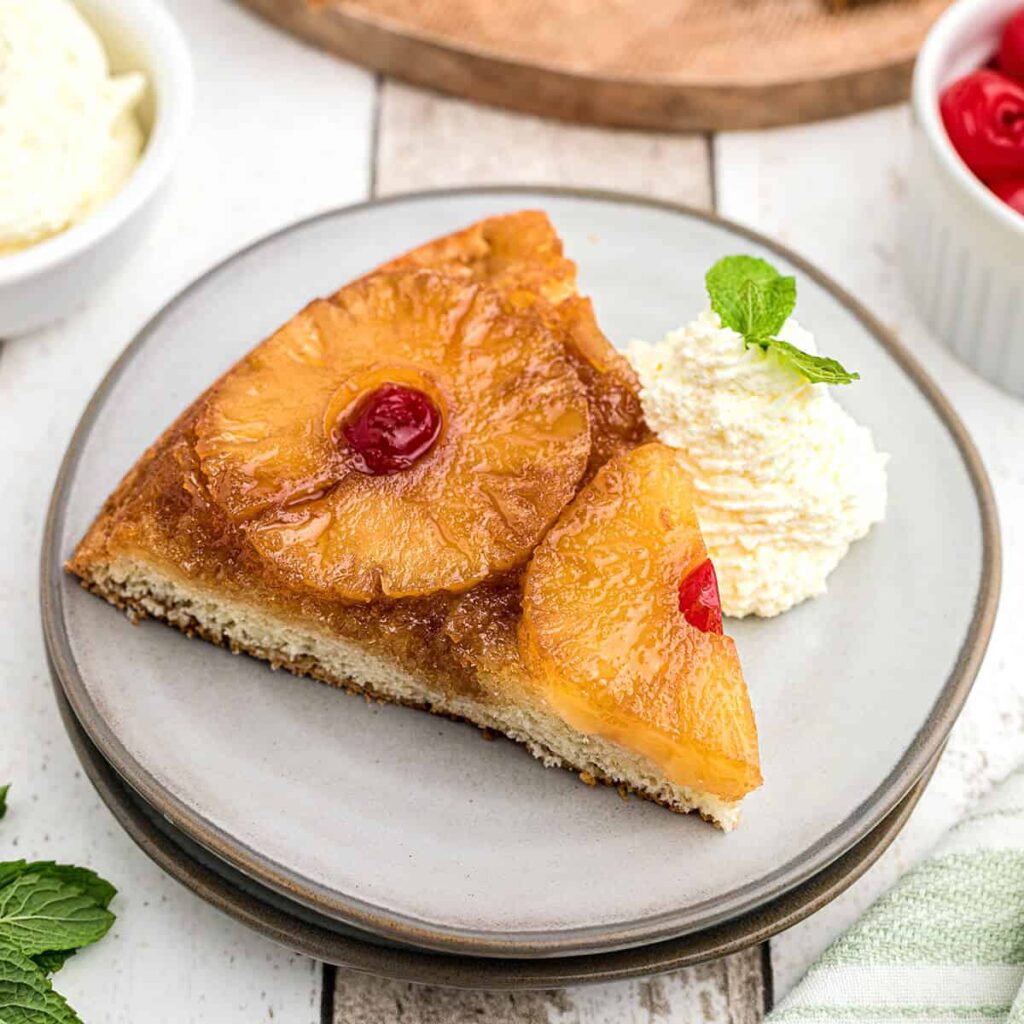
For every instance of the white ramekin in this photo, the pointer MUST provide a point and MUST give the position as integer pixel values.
(44, 283)
(963, 248)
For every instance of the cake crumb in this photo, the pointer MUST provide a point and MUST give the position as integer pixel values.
(587, 778)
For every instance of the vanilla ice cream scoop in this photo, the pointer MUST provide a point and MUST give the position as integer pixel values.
(785, 479)
(69, 135)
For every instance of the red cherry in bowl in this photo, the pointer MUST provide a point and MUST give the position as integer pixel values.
(699, 600)
(1011, 192)
(391, 428)
(1011, 47)
(984, 117)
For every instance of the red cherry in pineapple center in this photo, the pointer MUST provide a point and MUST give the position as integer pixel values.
(699, 601)
(390, 428)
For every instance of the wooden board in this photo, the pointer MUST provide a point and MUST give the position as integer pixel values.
(669, 64)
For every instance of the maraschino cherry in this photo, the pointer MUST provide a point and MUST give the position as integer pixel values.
(390, 428)
(984, 117)
(1011, 47)
(699, 601)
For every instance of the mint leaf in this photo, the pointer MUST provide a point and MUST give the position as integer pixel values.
(752, 298)
(817, 369)
(47, 912)
(39, 913)
(97, 889)
(750, 295)
(3, 799)
(26, 996)
(10, 869)
(53, 960)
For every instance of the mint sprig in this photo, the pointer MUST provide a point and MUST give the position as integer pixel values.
(3, 799)
(752, 298)
(48, 911)
(26, 995)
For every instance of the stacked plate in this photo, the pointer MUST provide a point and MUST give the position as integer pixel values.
(401, 844)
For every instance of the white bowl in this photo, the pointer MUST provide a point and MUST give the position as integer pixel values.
(44, 283)
(963, 248)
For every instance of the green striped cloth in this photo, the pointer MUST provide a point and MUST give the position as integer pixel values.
(946, 944)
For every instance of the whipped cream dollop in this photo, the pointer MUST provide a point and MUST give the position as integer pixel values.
(69, 136)
(785, 480)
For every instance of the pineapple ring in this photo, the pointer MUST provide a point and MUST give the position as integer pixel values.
(603, 635)
(513, 447)
(520, 254)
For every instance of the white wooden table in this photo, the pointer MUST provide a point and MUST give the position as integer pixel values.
(282, 132)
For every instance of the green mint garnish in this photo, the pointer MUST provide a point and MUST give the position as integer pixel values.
(99, 890)
(3, 799)
(39, 913)
(752, 298)
(52, 960)
(27, 995)
(47, 912)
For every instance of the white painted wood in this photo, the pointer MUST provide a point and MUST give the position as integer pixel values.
(280, 132)
(834, 192)
(429, 141)
(726, 992)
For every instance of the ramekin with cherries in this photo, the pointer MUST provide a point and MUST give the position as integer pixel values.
(962, 246)
(983, 113)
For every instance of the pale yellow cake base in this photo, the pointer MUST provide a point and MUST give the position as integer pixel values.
(504, 705)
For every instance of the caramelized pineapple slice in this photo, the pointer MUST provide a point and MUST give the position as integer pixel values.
(620, 627)
(279, 440)
(521, 254)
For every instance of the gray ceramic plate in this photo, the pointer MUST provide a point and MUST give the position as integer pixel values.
(322, 938)
(413, 828)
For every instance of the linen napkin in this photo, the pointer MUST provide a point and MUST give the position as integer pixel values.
(945, 945)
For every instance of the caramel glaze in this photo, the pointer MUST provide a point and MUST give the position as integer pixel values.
(163, 510)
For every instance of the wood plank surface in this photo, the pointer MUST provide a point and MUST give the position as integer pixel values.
(170, 958)
(834, 192)
(429, 141)
(729, 991)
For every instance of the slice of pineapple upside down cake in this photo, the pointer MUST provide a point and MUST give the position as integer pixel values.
(436, 487)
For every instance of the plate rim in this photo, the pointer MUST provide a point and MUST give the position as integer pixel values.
(585, 939)
(427, 967)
